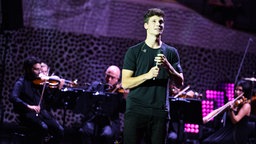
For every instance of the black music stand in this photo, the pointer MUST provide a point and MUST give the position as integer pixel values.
(102, 103)
(68, 100)
(185, 111)
(97, 105)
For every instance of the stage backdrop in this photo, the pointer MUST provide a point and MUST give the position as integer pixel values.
(80, 41)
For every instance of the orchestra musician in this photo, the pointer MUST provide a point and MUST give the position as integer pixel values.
(29, 102)
(104, 127)
(44, 69)
(236, 118)
(57, 82)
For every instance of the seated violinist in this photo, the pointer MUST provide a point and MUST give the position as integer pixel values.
(44, 69)
(54, 80)
(29, 102)
(236, 118)
(108, 127)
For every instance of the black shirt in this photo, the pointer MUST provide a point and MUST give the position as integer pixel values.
(150, 97)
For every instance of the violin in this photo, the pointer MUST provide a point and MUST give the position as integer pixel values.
(70, 83)
(240, 101)
(54, 81)
(120, 89)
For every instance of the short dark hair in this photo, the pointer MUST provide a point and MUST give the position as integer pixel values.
(29, 62)
(152, 12)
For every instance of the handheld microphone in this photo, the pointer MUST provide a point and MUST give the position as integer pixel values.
(156, 66)
(159, 53)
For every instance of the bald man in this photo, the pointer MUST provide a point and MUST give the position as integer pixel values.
(112, 76)
(108, 126)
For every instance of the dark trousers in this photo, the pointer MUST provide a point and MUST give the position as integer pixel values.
(150, 129)
(44, 124)
(92, 133)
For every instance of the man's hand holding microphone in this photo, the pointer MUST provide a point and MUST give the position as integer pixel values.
(159, 61)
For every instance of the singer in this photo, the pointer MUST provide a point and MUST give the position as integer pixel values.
(148, 68)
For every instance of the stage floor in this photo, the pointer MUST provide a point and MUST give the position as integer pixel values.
(14, 134)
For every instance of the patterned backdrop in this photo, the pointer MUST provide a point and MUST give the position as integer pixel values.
(85, 57)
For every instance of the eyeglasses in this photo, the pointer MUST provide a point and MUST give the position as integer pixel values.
(112, 77)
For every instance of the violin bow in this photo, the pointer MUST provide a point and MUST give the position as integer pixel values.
(186, 88)
(224, 107)
(42, 93)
